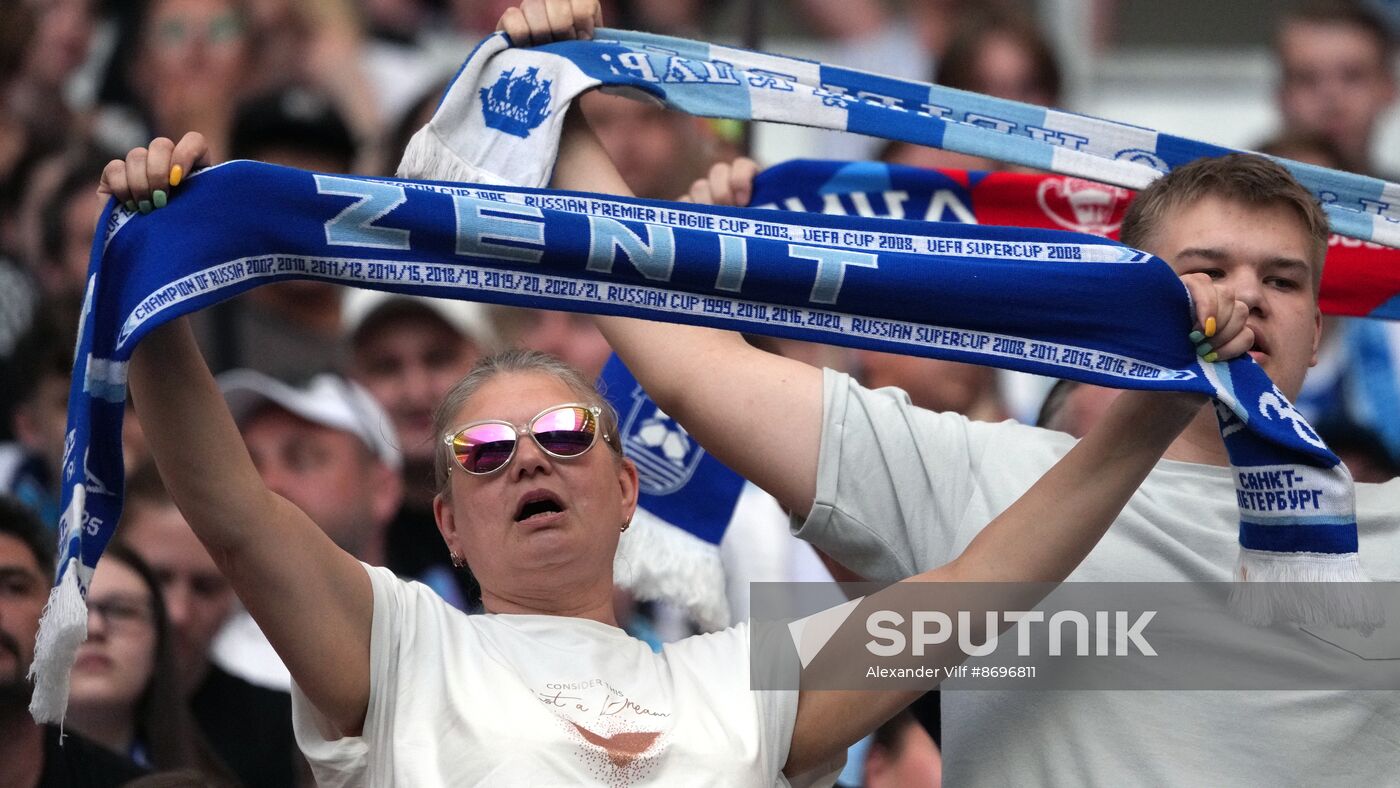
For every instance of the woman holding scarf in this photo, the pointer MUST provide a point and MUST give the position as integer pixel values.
(393, 686)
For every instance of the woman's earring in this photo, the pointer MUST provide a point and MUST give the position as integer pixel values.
(625, 525)
(457, 560)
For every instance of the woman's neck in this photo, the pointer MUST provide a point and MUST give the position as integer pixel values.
(593, 606)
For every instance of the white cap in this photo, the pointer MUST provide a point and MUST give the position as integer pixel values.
(467, 318)
(328, 400)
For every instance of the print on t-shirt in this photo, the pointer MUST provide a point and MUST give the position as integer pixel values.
(619, 739)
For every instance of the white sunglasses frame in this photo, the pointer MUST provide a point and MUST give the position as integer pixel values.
(528, 428)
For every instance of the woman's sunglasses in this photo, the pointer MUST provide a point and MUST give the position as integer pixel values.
(562, 431)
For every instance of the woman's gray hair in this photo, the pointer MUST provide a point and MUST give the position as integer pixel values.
(515, 361)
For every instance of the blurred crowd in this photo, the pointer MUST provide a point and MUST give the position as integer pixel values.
(334, 389)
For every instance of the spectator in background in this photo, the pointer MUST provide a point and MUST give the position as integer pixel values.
(192, 64)
(1074, 408)
(1000, 51)
(935, 384)
(658, 151)
(472, 18)
(66, 226)
(1336, 59)
(124, 693)
(412, 44)
(420, 110)
(1349, 394)
(31, 754)
(16, 29)
(316, 43)
(997, 51)
(329, 449)
(51, 229)
(295, 125)
(902, 754)
(19, 306)
(569, 336)
(247, 726)
(407, 352)
(930, 23)
(294, 325)
(196, 596)
(58, 220)
(30, 466)
(41, 45)
(45, 41)
(1362, 451)
(1307, 147)
(684, 18)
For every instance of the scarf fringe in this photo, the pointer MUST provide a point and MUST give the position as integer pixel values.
(428, 158)
(659, 561)
(1313, 589)
(62, 629)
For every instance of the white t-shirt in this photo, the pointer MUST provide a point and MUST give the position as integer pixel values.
(901, 489)
(546, 700)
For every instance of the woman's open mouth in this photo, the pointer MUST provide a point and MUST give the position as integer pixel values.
(538, 507)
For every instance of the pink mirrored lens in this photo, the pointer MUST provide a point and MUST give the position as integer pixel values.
(567, 432)
(485, 447)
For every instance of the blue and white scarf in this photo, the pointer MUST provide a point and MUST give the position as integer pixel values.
(522, 92)
(686, 499)
(1006, 297)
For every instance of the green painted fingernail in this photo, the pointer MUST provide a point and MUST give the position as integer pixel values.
(158, 197)
(1204, 348)
(1195, 336)
(144, 206)
(1212, 357)
(131, 205)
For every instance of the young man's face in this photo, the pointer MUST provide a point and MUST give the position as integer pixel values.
(1335, 84)
(1264, 254)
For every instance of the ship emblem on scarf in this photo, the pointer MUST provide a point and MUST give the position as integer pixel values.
(516, 105)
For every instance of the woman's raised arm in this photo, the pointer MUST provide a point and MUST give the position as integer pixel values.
(312, 599)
